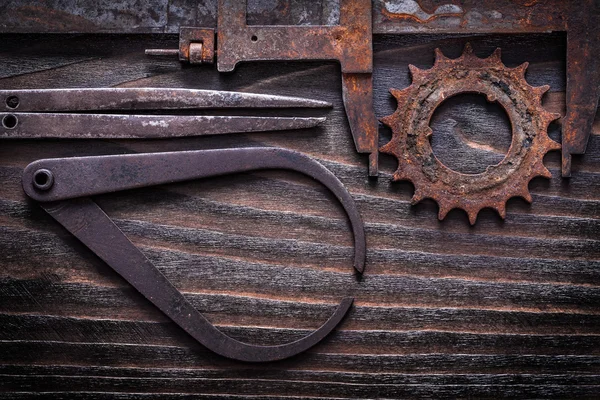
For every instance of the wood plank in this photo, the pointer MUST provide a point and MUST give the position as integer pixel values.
(502, 309)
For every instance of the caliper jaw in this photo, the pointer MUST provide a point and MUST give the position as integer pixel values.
(350, 43)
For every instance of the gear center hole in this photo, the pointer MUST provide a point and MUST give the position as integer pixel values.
(470, 133)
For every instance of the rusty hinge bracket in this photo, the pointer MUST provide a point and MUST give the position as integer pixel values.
(196, 46)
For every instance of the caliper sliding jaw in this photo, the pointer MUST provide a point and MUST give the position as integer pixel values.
(350, 43)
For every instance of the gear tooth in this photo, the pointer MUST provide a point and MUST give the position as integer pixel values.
(397, 93)
(548, 143)
(399, 175)
(542, 89)
(415, 72)
(440, 58)
(496, 57)
(522, 68)
(553, 116)
(388, 148)
(443, 210)
(401, 95)
(526, 195)
(545, 172)
(393, 147)
(387, 120)
(501, 208)
(417, 197)
(548, 117)
(552, 145)
(472, 216)
(468, 54)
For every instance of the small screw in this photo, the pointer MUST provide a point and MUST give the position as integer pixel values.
(43, 179)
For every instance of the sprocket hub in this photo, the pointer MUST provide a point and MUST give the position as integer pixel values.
(410, 142)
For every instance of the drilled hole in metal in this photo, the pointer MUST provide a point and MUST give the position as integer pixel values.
(10, 121)
(254, 38)
(12, 102)
(470, 133)
(43, 179)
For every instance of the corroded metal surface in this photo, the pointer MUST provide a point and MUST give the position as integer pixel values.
(56, 113)
(580, 19)
(150, 16)
(469, 16)
(62, 187)
(350, 43)
(125, 126)
(389, 16)
(92, 16)
(450, 189)
(583, 79)
(357, 93)
(102, 99)
(196, 46)
(258, 42)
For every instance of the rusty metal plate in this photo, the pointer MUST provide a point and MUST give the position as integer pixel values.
(350, 42)
(469, 16)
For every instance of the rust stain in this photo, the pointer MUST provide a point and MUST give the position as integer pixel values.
(528, 3)
(410, 142)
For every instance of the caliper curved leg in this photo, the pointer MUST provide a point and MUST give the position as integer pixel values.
(61, 185)
(86, 221)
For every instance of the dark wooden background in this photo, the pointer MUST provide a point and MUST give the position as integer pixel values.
(503, 309)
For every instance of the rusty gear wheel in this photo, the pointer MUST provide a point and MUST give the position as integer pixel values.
(450, 189)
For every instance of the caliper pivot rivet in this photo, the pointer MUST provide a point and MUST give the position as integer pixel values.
(43, 179)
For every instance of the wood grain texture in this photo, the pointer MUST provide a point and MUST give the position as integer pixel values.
(503, 309)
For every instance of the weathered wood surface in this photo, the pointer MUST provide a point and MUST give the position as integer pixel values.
(503, 309)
